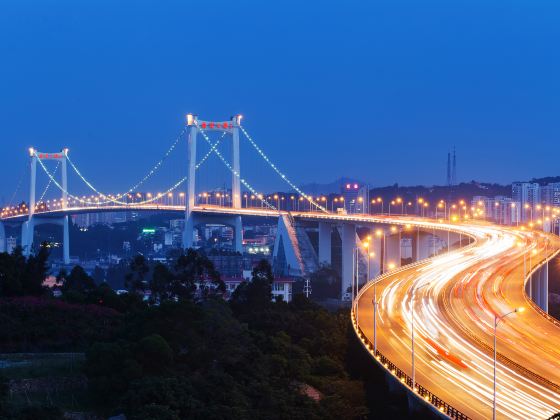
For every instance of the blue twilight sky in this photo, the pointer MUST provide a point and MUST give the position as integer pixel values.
(377, 90)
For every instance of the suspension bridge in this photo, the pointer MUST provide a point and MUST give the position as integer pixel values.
(464, 327)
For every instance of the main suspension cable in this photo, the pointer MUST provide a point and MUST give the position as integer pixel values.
(234, 172)
(279, 172)
(97, 203)
(135, 187)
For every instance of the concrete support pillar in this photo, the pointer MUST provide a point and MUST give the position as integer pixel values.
(238, 235)
(190, 193)
(64, 181)
(348, 239)
(188, 232)
(421, 245)
(2, 237)
(27, 233)
(65, 241)
(376, 247)
(33, 179)
(236, 176)
(453, 240)
(325, 246)
(392, 251)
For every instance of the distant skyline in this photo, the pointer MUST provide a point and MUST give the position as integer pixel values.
(377, 91)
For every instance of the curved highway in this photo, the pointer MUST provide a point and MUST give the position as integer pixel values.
(456, 298)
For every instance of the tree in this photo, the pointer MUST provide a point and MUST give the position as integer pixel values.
(78, 281)
(154, 354)
(135, 279)
(161, 282)
(10, 282)
(192, 269)
(98, 275)
(35, 272)
(326, 282)
(256, 294)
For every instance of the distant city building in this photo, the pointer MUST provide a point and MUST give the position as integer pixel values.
(500, 209)
(526, 194)
(550, 194)
(228, 264)
(87, 220)
(11, 244)
(353, 195)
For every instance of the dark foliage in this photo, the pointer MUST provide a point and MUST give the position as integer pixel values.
(23, 277)
(252, 358)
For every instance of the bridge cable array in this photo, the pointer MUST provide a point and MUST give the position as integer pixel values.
(138, 184)
(49, 183)
(228, 165)
(116, 199)
(18, 185)
(157, 166)
(279, 172)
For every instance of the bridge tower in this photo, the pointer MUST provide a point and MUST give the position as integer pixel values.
(28, 227)
(194, 126)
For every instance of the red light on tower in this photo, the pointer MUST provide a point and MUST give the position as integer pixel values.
(203, 125)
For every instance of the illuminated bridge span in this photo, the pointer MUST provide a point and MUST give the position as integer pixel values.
(431, 324)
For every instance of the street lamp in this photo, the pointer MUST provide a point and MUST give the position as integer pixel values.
(414, 289)
(497, 320)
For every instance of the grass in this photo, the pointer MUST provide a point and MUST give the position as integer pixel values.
(40, 365)
(18, 366)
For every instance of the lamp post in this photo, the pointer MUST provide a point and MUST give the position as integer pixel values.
(497, 320)
(414, 289)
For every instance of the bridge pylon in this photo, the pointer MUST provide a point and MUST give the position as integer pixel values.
(28, 227)
(194, 127)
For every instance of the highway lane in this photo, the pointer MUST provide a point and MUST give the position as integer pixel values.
(454, 317)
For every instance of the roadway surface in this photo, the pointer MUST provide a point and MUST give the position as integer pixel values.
(454, 323)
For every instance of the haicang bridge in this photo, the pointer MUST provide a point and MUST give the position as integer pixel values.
(463, 328)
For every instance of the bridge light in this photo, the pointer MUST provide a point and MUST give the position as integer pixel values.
(31, 151)
(190, 119)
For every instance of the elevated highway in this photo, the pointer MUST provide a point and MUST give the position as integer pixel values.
(456, 299)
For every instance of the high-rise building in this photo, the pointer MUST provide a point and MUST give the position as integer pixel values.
(528, 195)
(550, 194)
(353, 197)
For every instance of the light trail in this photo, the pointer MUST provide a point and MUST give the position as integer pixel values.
(454, 325)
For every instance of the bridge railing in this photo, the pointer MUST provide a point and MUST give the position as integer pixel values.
(420, 391)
